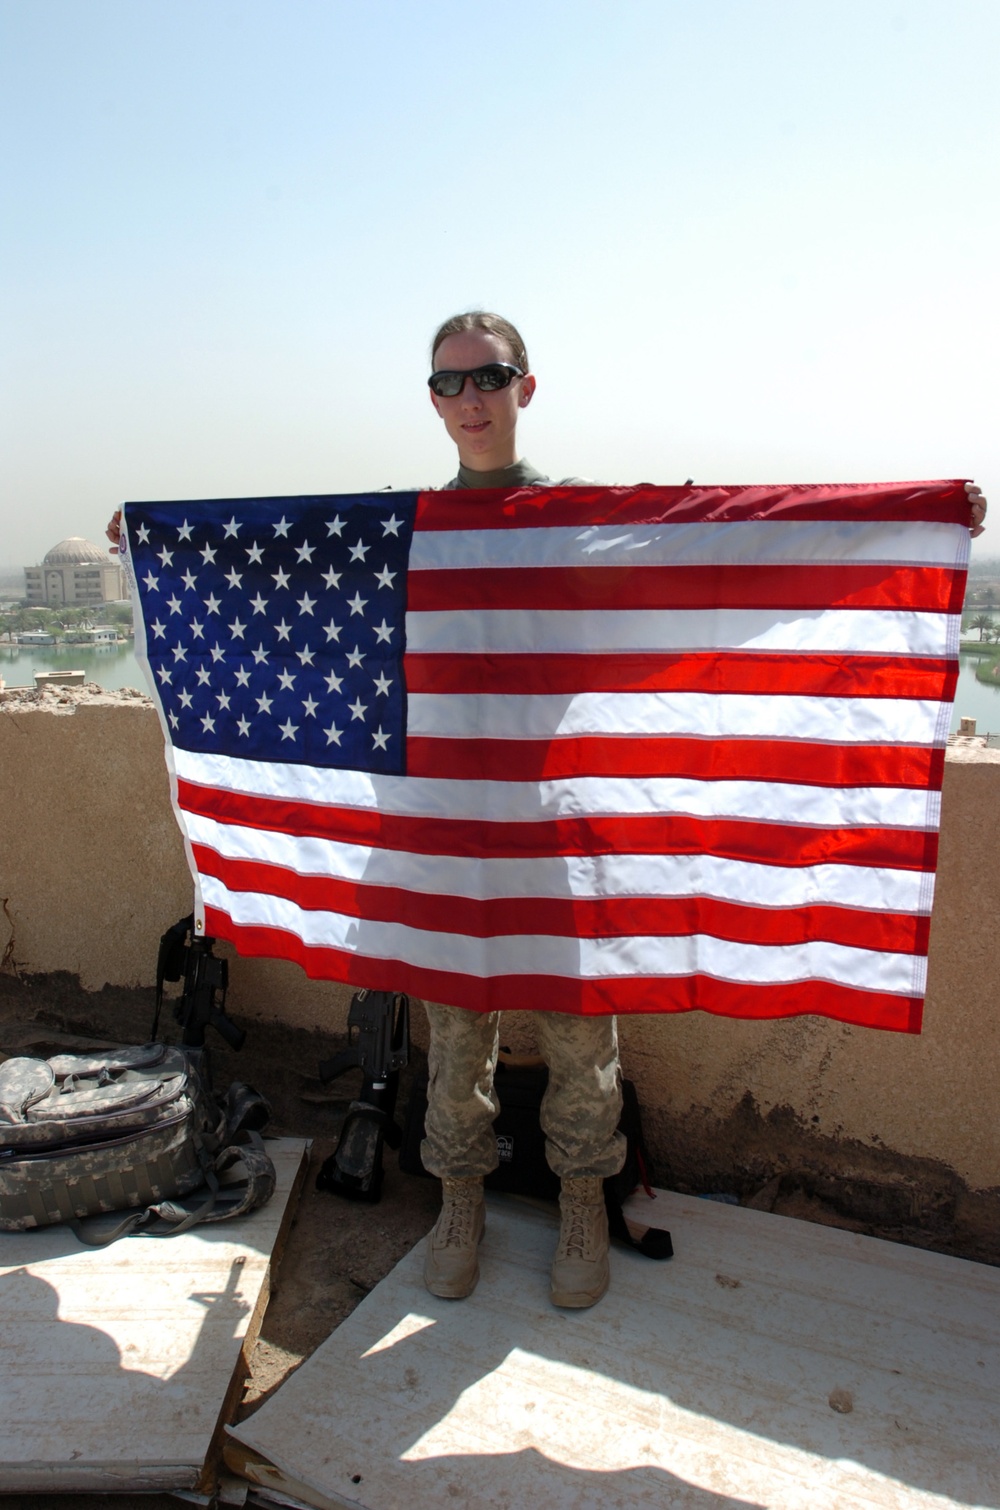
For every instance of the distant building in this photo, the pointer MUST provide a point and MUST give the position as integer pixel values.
(35, 637)
(75, 572)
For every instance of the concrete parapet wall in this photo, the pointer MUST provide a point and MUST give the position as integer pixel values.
(93, 870)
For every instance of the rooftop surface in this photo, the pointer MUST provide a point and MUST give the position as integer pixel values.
(338, 1251)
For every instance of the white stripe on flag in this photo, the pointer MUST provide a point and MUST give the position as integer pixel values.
(591, 959)
(592, 796)
(542, 631)
(758, 542)
(724, 715)
(769, 887)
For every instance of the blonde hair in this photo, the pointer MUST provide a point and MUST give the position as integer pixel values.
(494, 325)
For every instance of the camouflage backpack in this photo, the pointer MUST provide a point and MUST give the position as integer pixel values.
(126, 1130)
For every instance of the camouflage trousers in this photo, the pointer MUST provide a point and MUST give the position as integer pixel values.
(581, 1107)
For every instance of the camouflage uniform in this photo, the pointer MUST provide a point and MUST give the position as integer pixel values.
(580, 1110)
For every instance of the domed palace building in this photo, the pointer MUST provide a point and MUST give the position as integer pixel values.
(75, 572)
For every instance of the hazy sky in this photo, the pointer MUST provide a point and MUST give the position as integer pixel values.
(745, 240)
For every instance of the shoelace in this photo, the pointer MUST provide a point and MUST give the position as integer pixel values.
(458, 1228)
(575, 1245)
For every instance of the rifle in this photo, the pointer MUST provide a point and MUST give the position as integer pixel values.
(378, 1038)
(196, 1008)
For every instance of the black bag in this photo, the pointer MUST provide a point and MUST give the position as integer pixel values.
(127, 1129)
(523, 1169)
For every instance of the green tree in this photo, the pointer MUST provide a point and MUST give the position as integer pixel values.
(982, 622)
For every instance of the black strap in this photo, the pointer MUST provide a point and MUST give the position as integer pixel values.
(655, 1241)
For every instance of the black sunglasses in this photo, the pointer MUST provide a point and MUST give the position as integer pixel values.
(488, 379)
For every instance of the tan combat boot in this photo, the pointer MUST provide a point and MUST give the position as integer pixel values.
(580, 1269)
(451, 1267)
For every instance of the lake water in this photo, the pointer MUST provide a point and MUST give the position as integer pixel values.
(114, 666)
(111, 666)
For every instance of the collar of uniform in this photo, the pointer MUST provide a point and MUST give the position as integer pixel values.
(518, 475)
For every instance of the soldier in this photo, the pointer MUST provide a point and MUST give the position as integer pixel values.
(480, 383)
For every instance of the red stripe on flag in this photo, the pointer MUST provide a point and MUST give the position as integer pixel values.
(790, 588)
(873, 1009)
(811, 675)
(671, 834)
(942, 502)
(776, 760)
(573, 917)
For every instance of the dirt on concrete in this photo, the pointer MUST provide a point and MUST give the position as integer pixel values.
(777, 1162)
(56, 698)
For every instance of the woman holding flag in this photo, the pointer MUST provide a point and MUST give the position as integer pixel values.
(481, 381)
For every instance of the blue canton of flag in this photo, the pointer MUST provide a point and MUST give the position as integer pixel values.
(278, 638)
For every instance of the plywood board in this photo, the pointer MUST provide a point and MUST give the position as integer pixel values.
(117, 1363)
(771, 1363)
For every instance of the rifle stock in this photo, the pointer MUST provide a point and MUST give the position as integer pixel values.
(378, 1030)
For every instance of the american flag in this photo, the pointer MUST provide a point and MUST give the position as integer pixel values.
(572, 749)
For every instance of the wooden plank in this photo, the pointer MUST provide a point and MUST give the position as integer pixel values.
(122, 1359)
(257, 1471)
(771, 1363)
(209, 1478)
